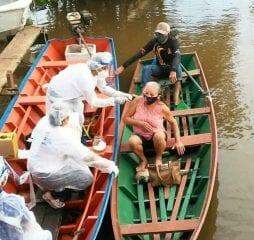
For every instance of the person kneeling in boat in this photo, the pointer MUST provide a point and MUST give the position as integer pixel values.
(168, 59)
(77, 82)
(146, 114)
(16, 221)
(57, 158)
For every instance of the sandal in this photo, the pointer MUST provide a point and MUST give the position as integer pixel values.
(54, 203)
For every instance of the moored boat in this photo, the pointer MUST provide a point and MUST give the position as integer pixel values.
(140, 211)
(82, 215)
(13, 16)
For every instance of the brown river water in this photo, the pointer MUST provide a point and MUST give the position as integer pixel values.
(221, 31)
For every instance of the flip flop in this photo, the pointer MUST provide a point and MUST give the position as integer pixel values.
(54, 203)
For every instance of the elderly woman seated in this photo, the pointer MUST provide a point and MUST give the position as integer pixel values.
(146, 114)
(57, 159)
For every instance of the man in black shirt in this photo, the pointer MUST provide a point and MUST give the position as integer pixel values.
(168, 58)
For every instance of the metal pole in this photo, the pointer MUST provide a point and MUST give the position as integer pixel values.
(83, 40)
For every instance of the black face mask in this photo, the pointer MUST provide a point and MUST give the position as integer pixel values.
(161, 38)
(150, 100)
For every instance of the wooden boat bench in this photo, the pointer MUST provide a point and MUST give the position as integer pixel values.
(159, 227)
(188, 141)
(191, 112)
(31, 100)
(50, 64)
(193, 73)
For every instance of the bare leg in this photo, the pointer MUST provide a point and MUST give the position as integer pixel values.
(136, 145)
(159, 141)
(177, 90)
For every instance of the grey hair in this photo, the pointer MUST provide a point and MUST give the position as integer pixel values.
(153, 84)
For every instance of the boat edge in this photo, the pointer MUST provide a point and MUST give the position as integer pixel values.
(115, 154)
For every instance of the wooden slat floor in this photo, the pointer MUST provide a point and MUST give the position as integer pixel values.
(48, 218)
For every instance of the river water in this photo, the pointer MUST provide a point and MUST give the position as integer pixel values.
(221, 31)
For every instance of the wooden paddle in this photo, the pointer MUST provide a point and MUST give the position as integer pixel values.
(194, 81)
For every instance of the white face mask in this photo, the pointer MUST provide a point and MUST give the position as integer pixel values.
(103, 74)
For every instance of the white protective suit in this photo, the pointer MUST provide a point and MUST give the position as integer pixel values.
(16, 221)
(59, 160)
(76, 83)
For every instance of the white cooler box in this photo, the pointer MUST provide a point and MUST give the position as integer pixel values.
(78, 53)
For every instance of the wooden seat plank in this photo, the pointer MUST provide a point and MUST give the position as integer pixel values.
(137, 79)
(191, 112)
(31, 100)
(49, 64)
(193, 73)
(159, 227)
(188, 141)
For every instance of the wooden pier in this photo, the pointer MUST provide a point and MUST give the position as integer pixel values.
(15, 51)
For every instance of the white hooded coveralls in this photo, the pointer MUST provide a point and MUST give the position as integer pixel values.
(59, 160)
(17, 222)
(76, 83)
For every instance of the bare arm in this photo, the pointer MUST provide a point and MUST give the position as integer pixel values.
(169, 117)
(173, 123)
(127, 118)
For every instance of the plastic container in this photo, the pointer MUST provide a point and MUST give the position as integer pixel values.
(75, 53)
(99, 144)
(8, 145)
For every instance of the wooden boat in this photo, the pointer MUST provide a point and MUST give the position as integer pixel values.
(84, 212)
(13, 16)
(138, 210)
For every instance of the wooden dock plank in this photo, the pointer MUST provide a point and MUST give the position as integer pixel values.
(12, 55)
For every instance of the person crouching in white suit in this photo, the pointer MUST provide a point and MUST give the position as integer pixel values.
(16, 221)
(77, 82)
(57, 158)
